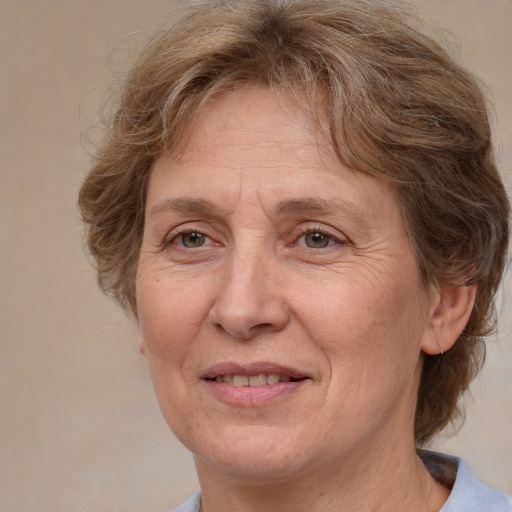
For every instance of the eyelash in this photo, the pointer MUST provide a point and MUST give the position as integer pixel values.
(322, 231)
(173, 237)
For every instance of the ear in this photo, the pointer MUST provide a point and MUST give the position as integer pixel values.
(451, 312)
(142, 345)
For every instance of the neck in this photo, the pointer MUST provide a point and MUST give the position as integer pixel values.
(391, 480)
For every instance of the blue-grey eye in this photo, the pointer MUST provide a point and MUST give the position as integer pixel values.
(193, 239)
(316, 240)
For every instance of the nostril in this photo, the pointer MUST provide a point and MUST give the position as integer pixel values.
(249, 312)
(262, 326)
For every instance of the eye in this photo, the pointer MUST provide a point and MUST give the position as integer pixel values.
(317, 240)
(191, 239)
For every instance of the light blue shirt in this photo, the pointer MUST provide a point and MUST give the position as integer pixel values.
(468, 494)
(191, 505)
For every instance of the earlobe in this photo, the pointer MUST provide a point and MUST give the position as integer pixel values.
(142, 346)
(449, 318)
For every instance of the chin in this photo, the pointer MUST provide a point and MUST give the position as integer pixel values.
(253, 454)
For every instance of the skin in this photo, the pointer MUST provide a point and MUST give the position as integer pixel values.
(328, 287)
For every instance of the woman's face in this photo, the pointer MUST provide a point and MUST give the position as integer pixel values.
(279, 300)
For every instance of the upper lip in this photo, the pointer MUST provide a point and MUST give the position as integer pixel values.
(255, 368)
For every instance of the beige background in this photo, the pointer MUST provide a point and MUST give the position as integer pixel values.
(79, 427)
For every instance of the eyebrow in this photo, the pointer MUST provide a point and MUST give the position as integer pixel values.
(183, 205)
(303, 207)
(323, 207)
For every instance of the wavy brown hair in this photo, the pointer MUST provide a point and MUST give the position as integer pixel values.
(399, 107)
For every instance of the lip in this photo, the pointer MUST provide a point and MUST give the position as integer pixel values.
(229, 368)
(249, 396)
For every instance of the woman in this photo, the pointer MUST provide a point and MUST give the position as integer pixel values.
(299, 203)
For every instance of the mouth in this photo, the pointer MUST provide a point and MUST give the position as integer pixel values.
(253, 374)
(253, 384)
(254, 380)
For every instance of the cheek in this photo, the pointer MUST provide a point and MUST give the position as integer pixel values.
(169, 319)
(353, 308)
(170, 313)
(373, 346)
(366, 328)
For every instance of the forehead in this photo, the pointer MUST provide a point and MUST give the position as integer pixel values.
(258, 117)
(255, 144)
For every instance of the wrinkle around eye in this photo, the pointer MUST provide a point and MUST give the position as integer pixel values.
(174, 249)
(333, 254)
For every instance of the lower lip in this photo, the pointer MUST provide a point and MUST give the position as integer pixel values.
(250, 396)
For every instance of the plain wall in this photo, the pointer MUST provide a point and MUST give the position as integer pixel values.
(79, 426)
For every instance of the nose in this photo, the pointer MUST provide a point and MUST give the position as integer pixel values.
(249, 301)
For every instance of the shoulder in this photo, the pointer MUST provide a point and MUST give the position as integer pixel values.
(193, 504)
(468, 494)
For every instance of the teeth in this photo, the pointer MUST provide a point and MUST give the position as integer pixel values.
(261, 379)
(258, 380)
(240, 380)
(273, 378)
